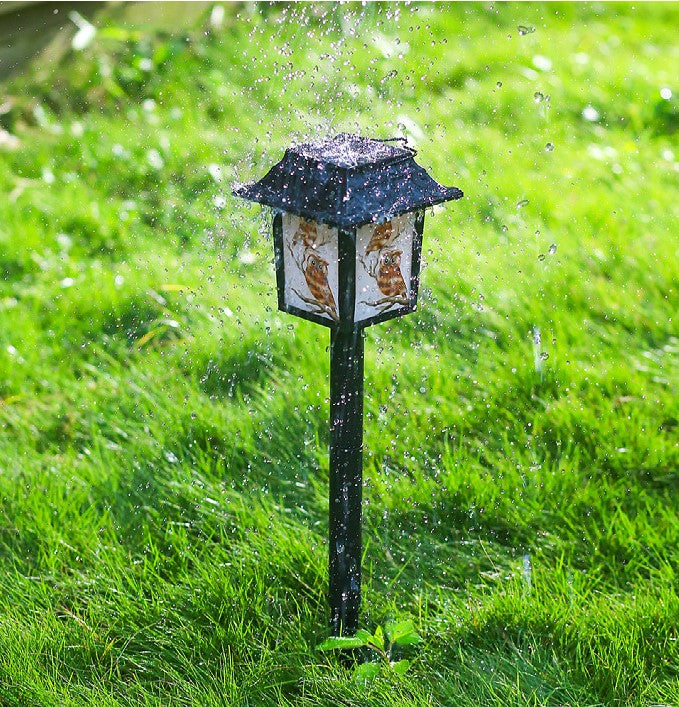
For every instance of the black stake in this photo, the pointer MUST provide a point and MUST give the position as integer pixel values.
(346, 458)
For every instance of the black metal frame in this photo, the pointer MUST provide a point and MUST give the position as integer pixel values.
(346, 276)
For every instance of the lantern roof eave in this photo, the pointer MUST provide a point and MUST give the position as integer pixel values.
(347, 181)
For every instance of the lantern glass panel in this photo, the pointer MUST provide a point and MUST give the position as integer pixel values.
(311, 266)
(384, 259)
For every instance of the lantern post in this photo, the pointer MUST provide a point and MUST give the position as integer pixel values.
(348, 224)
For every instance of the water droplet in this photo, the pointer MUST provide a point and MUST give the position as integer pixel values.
(64, 241)
(504, 228)
(538, 97)
(544, 355)
(590, 113)
(527, 572)
(542, 256)
(215, 171)
(552, 249)
(522, 203)
(542, 62)
(549, 147)
(247, 257)
(154, 159)
(525, 29)
(499, 84)
(217, 17)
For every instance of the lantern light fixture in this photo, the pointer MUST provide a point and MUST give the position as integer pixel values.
(347, 231)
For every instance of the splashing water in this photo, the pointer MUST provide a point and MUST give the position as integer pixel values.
(537, 351)
(527, 571)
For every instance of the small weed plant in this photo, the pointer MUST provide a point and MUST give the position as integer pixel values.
(380, 644)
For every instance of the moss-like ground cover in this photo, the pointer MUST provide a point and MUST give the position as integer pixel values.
(163, 443)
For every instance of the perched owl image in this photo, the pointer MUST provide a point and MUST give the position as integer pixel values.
(383, 236)
(389, 277)
(316, 274)
(306, 234)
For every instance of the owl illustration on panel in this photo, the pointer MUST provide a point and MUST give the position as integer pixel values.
(306, 234)
(389, 277)
(383, 236)
(316, 275)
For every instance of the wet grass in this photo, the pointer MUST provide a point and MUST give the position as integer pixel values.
(164, 429)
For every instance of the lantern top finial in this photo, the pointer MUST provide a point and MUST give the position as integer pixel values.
(348, 181)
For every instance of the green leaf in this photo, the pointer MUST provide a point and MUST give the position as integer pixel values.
(409, 639)
(396, 629)
(400, 666)
(118, 34)
(335, 642)
(364, 635)
(403, 633)
(366, 671)
(160, 54)
(377, 639)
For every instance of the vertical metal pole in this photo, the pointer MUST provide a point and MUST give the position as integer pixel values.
(346, 458)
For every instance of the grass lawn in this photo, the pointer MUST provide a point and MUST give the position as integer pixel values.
(163, 442)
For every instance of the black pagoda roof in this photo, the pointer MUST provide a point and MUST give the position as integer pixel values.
(347, 181)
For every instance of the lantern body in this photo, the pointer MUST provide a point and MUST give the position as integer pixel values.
(380, 268)
(348, 228)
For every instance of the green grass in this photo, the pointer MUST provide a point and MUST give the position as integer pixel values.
(164, 430)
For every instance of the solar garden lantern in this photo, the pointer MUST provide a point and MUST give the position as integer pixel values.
(347, 231)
